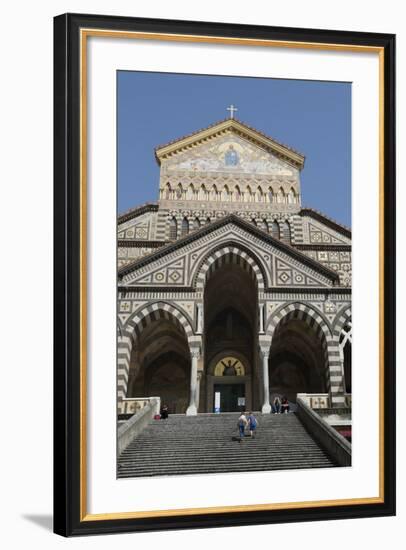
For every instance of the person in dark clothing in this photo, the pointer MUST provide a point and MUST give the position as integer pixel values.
(285, 405)
(164, 412)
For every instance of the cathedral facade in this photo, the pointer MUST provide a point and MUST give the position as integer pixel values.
(229, 291)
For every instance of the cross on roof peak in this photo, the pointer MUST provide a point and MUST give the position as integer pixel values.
(232, 109)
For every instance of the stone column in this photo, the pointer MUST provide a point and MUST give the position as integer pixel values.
(335, 375)
(199, 319)
(194, 386)
(261, 318)
(266, 406)
(199, 377)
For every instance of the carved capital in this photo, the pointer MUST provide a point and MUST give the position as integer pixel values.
(264, 352)
(195, 353)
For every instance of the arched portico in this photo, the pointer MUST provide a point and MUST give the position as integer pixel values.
(157, 341)
(230, 279)
(304, 356)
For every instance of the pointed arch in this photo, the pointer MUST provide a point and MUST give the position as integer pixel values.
(281, 195)
(237, 193)
(230, 254)
(168, 191)
(144, 316)
(270, 195)
(315, 320)
(225, 193)
(301, 311)
(196, 223)
(275, 231)
(190, 195)
(203, 193)
(292, 196)
(260, 194)
(179, 191)
(249, 194)
(184, 230)
(138, 321)
(214, 193)
(286, 232)
(342, 318)
(318, 322)
(173, 229)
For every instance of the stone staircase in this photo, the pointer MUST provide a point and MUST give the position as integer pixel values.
(203, 444)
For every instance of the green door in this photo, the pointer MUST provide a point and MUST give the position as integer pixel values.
(229, 394)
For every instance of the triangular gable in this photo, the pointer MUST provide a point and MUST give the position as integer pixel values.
(329, 231)
(137, 228)
(136, 212)
(176, 265)
(209, 157)
(238, 128)
(319, 234)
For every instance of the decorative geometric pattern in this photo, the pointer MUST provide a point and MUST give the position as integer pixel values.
(127, 255)
(339, 261)
(138, 227)
(319, 236)
(319, 402)
(125, 307)
(270, 308)
(286, 275)
(188, 307)
(330, 307)
(141, 232)
(123, 318)
(173, 274)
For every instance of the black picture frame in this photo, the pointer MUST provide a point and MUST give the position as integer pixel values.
(69, 519)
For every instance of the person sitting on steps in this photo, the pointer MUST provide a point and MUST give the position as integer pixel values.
(285, 405)
(164, 412)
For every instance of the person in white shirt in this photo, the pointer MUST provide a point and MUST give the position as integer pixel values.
(242, 423)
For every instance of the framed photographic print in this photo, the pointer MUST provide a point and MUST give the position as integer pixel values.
(224, 274)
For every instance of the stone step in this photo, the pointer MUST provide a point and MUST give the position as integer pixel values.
(220, 445)
(183, 470)
(213, 465)
(203, 444)
(264, 456)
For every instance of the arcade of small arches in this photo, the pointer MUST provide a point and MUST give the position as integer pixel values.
(252, 194)
(180, 226)
(163, 352)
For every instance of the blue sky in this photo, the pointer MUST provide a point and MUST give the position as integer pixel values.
(310, 116)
